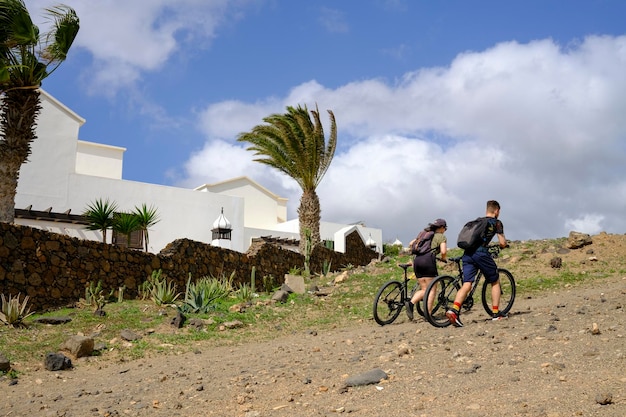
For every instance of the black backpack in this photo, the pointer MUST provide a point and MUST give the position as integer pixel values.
(472, 235)
(421, 245)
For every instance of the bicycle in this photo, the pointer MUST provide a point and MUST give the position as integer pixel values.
(446, 287)
(391, 298)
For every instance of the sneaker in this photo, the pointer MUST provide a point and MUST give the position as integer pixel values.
(454, 318)
(499, 316)
(409, 309)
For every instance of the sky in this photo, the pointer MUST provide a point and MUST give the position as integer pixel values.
(440, 106)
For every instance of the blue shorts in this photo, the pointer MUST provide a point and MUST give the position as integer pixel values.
(482, 261)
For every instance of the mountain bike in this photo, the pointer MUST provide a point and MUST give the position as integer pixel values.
(392, 297)
(446, 287)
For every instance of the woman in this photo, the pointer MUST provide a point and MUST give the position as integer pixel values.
(425, 265)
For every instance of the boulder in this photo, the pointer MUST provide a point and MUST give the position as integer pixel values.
(578, 240)
(79, 346)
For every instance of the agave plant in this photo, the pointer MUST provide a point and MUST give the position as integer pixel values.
(162, 291)
(245, 293)
(202, 295)
(13, 312)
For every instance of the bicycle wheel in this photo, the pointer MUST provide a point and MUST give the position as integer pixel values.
(418, 306)
(388, 303)
(444, 288)
(507, 293)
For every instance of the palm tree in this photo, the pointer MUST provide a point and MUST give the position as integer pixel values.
(295, 145)
(100, 215)
(126, 224)
(147, 217)
(26, 59)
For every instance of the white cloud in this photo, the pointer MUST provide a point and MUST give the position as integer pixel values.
(536, 126)
(588, 223)
(333, 20)
(129, 38)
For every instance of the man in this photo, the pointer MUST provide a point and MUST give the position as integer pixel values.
(479, 259)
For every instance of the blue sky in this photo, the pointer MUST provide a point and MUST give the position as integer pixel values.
(440, 106)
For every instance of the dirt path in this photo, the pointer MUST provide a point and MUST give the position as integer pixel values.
(545, 360)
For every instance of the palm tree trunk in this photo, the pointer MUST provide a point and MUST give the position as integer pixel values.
(309, 215)
(18, 112)
(9, 171)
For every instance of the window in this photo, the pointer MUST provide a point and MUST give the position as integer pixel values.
(136, 239)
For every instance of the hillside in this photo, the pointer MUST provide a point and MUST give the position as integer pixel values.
(561, 353)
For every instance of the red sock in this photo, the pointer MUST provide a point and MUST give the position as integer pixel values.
(494, 309)
(456, 307)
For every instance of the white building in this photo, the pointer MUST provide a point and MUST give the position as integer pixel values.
(64, 175)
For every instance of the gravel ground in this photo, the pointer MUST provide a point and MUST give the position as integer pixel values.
(558, 355)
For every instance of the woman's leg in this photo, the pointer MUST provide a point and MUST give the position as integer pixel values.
(419, 294)
(431, 296)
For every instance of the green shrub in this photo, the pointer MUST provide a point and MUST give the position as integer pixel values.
(202, 295)
(161, 290)
(391, 250)
(269, 282)
(326, 267)
(94, 295)
(13, 312)
(245, 293)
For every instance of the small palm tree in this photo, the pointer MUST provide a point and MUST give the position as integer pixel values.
(100, 215)
(125, 224)
(295, 145)
(26, 59)
(147, 217)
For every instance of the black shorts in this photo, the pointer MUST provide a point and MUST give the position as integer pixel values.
(425, 265)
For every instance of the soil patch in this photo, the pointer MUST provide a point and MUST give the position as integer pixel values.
(561, 353)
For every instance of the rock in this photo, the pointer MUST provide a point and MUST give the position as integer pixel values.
(556, 262)
(341, 277)
(403, 350)
(578, 240)
(100, 346)
(595, 329)
(280, 296)
(232, 324)
(296, 283)
(196, 323)
(604, 398)
(129, 335)
(178, 320)
(53, 320)
(57, 362)
(79, 346)
(5, 364)
(475, 367)
(286, 288)
(370, 377)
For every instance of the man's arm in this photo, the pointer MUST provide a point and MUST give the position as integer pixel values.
(502, 241)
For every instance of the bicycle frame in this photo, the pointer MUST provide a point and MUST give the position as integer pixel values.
(445, 288)
(469, 301)
(392, 297)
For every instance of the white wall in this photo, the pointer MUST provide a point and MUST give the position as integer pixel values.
(264, 209)
(50, 179)
(44, 178)
(67, 174)
(99, 160)
(68, 229)
(328, 231)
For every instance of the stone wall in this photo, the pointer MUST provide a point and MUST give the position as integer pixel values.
(54, 269)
